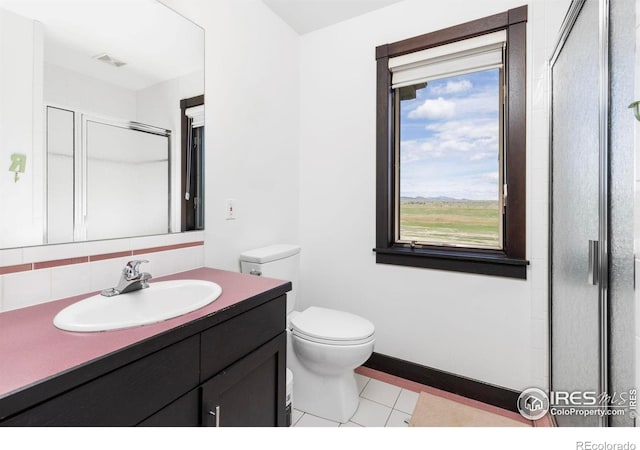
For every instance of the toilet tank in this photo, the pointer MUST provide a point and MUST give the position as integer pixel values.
(280, 261)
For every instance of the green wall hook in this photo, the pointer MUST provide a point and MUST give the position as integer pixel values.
(636, 111)
(18, 165)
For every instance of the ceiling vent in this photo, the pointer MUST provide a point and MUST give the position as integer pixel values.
(106, 58)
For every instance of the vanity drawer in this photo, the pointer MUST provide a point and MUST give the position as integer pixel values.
(125, 396)
(184, 412)
(229, 341)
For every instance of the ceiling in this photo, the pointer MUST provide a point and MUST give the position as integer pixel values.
(305, 16)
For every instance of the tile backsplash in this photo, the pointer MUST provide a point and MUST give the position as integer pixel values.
(34, 275)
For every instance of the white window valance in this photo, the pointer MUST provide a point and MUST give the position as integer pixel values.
(469, 55)
(197, 114)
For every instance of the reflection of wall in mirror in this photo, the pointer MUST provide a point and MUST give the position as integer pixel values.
(21, 47)
(79, 92)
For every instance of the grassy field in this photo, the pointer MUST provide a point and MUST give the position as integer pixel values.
(453, 222)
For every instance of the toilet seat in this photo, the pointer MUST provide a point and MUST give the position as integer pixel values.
(330, 341)
(328, 326)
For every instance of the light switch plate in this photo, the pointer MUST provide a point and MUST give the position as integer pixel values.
(230, 209)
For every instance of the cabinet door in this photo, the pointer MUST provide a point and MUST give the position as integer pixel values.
(250, 392)
(249, 330)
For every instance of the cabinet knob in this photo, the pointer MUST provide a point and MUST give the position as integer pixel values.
(216, 414)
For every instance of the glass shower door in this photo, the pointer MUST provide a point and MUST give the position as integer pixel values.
(126, 180)
(576, 292)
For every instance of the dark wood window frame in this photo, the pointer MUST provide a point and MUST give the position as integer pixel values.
(187, 220)
(511, 260)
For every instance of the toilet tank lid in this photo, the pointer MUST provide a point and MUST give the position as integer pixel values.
(270, 253)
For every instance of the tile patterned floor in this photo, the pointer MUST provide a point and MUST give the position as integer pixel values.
(381, 405)
(389, 401)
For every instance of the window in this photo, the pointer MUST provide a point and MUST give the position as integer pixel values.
(192, 151)
(451, 150)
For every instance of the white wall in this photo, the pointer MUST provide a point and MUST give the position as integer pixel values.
(486, 328)
(252, 123)
(21, 45)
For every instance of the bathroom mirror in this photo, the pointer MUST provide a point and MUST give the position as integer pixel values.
(91, 126)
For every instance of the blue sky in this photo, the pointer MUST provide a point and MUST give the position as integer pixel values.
(449, 138)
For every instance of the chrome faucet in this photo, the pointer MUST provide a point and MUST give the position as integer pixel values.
(130, 280)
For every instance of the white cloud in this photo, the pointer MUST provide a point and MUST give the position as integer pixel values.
(485, 104)
(490, 176)
(453, 87)
(434, 109)
(464, 140)
(479, 136)
(472, 107)
(415, 150)
(483, 155)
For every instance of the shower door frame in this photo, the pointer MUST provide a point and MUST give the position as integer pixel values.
(603, 187)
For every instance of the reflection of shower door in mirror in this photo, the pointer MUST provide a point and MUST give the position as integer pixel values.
(577, 359)
(126, 180)
(105, 179)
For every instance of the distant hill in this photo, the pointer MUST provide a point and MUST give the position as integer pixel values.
(439, 198)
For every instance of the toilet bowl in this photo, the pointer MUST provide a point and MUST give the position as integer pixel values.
(324, 345)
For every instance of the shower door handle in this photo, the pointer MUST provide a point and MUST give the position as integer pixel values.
(594, 265)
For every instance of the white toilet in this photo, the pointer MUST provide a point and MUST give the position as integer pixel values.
(324, 346)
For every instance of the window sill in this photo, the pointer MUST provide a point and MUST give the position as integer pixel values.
(485, 263)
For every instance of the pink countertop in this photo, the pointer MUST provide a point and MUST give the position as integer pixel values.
(33, 349)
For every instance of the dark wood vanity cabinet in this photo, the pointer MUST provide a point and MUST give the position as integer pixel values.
(228, 374)
(249, 393)
(237, 396)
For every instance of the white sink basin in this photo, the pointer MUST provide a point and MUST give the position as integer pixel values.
(160, 301)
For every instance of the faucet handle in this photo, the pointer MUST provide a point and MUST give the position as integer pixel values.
(131, 268)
